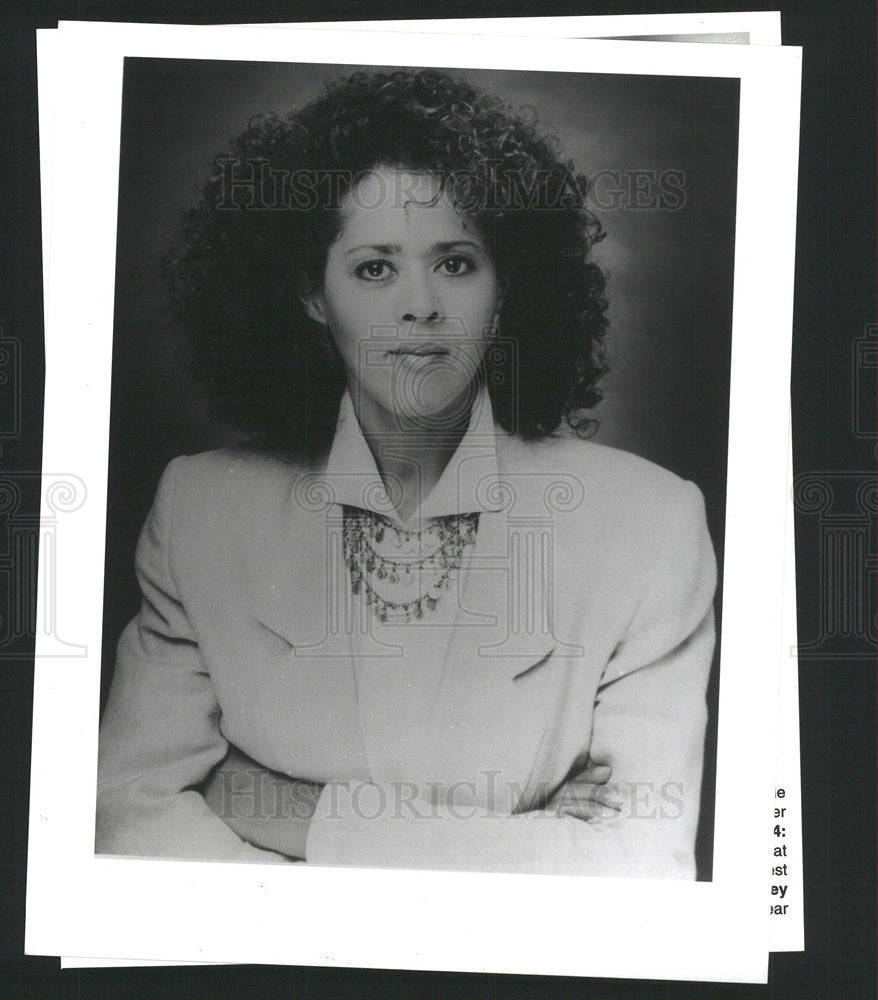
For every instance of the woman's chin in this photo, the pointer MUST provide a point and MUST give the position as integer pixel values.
(438, 413)
(436, 401)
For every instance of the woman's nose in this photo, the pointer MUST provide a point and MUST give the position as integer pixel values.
(419, 302)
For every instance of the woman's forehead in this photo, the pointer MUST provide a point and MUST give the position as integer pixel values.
(390, 202)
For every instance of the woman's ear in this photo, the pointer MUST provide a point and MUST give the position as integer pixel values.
(314, 307)
(498, 308)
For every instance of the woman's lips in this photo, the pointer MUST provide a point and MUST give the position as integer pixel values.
(420, 350)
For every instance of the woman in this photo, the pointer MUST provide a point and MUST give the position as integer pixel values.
(423, 621)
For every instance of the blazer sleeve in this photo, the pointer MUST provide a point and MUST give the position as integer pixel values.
(648, 725)
(160, 734)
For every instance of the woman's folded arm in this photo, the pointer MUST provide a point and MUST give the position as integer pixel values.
(644, 826)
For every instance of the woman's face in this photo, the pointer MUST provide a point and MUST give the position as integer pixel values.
(410, 296)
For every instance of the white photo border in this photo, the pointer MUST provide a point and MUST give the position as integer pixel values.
(183, 910)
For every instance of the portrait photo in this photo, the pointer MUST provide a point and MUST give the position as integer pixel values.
(437, 585)
(441, 539)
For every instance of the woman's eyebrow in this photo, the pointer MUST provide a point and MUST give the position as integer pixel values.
(456, 245)
(385, 248)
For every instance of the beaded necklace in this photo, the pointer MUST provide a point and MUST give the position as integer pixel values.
(428, 559)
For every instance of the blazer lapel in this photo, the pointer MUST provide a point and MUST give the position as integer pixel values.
(308, 693)
(305, 595)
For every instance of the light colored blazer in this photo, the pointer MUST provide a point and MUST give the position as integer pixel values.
(588, 636)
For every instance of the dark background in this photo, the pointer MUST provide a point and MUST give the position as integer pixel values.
(834, 443)
(669, 271)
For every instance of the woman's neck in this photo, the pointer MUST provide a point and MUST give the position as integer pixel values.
(411, 456)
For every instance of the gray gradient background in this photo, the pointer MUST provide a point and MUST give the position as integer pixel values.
(669, 274)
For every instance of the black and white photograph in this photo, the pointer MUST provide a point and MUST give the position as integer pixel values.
(421, 588)
(426, 607)
(425, 553)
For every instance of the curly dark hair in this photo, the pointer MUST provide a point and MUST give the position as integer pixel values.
(257, 243)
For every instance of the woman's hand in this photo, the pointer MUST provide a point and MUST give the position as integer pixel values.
(587, 794)
(268, 809)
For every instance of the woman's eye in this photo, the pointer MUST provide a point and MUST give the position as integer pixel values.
(374, 270)
(457, 265)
